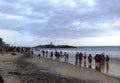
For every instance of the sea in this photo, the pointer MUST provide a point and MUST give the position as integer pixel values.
(112, 51)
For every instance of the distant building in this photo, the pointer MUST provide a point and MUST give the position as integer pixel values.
(51, 43)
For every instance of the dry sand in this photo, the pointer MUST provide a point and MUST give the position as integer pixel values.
(7, 65)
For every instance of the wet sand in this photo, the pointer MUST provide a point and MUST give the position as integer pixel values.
(69, 70)
(22, 68)
(112, 68)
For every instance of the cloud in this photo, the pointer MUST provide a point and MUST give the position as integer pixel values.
(71, 19)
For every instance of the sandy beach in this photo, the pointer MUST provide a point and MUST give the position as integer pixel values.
(7, 65)
(22, 68)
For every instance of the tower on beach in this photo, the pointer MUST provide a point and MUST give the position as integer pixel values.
(51, 43)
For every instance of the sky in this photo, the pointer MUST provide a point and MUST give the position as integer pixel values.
(63, 22)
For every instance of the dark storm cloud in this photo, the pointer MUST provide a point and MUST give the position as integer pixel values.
(60, 19)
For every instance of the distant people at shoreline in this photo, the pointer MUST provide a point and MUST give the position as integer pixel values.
(81, 58)
(66, 57)
(76, 58)
(85, 57)
(90, 60)
(51, 55)
(100, 61)
(107, 63)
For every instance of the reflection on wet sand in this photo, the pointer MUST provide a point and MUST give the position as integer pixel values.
(84, 63)
(90, 66)
(102, 67)
(80, 63)
(107, 67)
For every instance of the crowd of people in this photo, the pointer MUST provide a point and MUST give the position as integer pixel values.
(80, 58)
(56, 54)
(99, 58)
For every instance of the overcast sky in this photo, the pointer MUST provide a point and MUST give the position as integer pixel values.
(71, 22)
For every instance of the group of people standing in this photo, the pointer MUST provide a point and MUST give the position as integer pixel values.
(52, 54)
(80, 58)
(100, 60)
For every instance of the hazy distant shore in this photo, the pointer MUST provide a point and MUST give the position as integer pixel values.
(22, 68)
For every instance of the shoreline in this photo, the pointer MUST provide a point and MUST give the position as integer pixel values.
(24, 68)
(35, 74)
(74, 71)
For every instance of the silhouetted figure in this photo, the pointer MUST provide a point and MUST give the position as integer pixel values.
(43, 52)
(103, 58)
(90, 59)
(107, 63)
(51, 55)
(76, 58)
(102, 62)
(58, 56)
(65, 54)
(46, 53)
(32, 52)
(96, 59)
(80, 58)
(67, 57)
(99, 59)
(85, 56)
(39, 56)
(107, 58)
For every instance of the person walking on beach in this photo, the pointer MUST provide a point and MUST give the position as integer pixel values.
(76, 58)
(98, 62)
(80, 58)
(65, 56)
(51, 55)
(58, 56)
(96, 59)
(85, 56)
(102, 62)
(46, 53)
(102, 59)
(43, 52)
(90, 59)
(107, 58)
(107, 63)
(99, 59)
